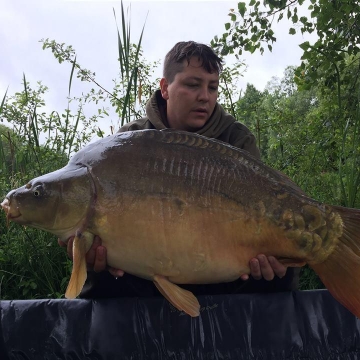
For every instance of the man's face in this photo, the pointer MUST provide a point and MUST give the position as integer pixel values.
(191, 97)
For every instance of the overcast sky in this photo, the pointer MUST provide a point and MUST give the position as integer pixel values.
(89, 26)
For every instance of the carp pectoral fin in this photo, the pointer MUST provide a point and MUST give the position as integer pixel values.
(182, 299)
(78, 273)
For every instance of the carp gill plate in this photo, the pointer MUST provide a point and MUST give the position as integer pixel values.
(178, 208)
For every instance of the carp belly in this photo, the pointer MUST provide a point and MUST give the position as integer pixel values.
(216, 246)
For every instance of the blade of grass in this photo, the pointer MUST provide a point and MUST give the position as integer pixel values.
(50, 123)
(74, 131)
(3, 101)
(71, 75)
(66, 132)
(25, 88)
(3, 165)
(120, 46)
(34, 127)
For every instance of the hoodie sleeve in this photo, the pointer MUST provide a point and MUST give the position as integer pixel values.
(240, 136)
(140, 124)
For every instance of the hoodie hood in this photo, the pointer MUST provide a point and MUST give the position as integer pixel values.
(218, 122)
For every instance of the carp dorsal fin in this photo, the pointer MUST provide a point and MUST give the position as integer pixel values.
(81, 245)
(182, 299)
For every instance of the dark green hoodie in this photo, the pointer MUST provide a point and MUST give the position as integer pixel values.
(221, 125)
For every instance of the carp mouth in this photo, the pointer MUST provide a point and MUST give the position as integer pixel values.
(11, 213)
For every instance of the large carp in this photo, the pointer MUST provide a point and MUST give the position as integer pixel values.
(178, 208)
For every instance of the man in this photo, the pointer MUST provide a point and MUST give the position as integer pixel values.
(187, 100)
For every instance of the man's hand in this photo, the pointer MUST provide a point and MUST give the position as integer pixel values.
(95, 257)
(265, 267)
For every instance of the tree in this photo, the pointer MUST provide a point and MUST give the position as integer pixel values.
(330, 66)
(249, 112)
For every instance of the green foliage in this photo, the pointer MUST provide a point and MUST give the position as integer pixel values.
(3, 102)
(32, 265)
(335, 23)
(298, 132)
(228, 86)
(134, 84)
(309, 280)
(38, 138)
(250, 113)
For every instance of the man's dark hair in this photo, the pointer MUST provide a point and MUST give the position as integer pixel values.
(185, 50)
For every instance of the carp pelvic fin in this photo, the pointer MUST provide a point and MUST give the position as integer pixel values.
(182, 299)
(78, 274)
(340, 272)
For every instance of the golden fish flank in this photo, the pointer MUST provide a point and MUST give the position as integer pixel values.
(178, 208)
(102, 222)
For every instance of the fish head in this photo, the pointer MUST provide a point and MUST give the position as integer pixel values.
(56, 202)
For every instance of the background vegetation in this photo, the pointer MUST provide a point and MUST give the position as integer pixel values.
(307, 123)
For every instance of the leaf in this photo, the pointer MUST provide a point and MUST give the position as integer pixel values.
(303, 20)
(305, 45)
(242, 8)
(227, 26)
(292, 31)
(252, 3)
(71, 75)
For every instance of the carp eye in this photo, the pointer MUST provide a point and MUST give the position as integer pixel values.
(37, 191)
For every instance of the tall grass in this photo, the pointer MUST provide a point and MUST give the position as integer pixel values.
(3, 101)
(32, 265)
(128, 63)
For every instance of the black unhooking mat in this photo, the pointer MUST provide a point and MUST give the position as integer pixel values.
(293, 325)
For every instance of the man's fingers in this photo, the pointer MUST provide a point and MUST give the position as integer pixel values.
(62, 243)
(265, 268)
(100, 259)
(244, 277)
(255, 269)
(95, 257)
(278, 268)
(69, 247)
(116, 272)
(91, 254)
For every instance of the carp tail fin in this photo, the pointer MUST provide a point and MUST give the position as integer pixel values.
(340, 272)
(182, 299)
(79, 271)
